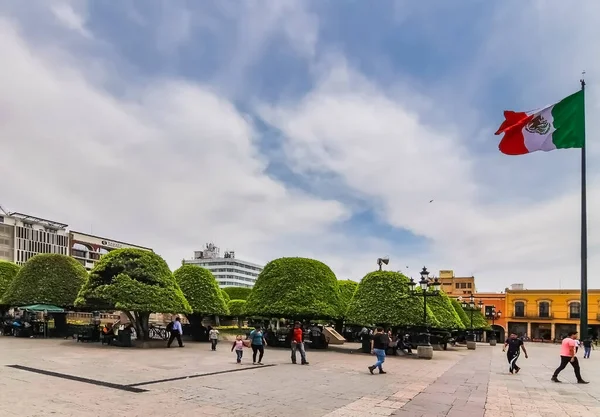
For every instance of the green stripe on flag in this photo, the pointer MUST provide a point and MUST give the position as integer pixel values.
(569, 122)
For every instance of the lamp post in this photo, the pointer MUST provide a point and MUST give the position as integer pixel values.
(470, 305)
(428, 289)
(493, 316)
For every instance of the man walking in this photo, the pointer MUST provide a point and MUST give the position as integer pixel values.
(176, 332)
(587, 347)
(297, 341)
(567, 355)
(213, 335)
(379, 344)
(514, 345)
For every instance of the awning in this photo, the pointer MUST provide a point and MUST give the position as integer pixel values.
(43, 307)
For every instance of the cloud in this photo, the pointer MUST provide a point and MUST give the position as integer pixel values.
(170, 166)
(67, 14)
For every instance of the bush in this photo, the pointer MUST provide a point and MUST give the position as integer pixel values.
(237, 308)
(46, 279)
(136, 281)
(382, 299)
(200, 288)
(479, 321)
(347, 290)
(295, 288)
(8, 272)
(461, 313)
(238, 293)
(225, 296)
(444, 312)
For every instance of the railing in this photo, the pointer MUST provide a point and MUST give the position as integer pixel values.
(537, 316)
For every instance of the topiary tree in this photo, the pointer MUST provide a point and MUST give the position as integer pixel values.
(136, 281)
(8, 272)
(347, 289)
(444, 312)
(479, 321)
(202, 291)
(238, 293)
(295, 288)
(461, 313)
(225, 296)
(237, 309)
(46, 279)
(381, 298)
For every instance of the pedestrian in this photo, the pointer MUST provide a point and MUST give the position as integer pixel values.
(567, 355)
(514, 345)
(213, 335)
(587, 347)
(297, 343)
(238, 345)
(258, 344)
(379, 343)
(176, 332)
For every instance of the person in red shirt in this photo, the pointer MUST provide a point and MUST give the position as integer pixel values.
(297, 336)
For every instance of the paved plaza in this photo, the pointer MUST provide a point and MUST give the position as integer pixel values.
(64, 378)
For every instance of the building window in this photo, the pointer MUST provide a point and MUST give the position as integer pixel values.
(469, 285)
(457, 286)
(544, 309)
(519, 309)
(575, 310)
(463, 285)
(488, 310)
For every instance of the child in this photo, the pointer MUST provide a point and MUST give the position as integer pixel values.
(238, 345)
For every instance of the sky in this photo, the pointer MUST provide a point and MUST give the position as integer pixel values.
(320, 129)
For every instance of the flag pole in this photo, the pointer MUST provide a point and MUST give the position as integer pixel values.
(584, 290)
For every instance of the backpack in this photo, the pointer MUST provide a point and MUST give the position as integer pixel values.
(170, 327)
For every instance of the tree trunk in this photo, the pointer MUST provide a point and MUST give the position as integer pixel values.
(60, 324)
(339, 326)
(198, 332)
(140, 322)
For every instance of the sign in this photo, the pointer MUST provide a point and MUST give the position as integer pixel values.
(110, 244)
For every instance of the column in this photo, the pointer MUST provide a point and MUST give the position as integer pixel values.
(552, 331)
(529, 330)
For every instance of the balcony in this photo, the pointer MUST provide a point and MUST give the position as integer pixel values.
(532, 316)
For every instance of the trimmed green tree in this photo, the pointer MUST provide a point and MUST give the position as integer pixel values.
(135, 281)
(238, 293)
(461, 313)
(295, 288)
(202, 291)
(8, 272)
(225, 296)
(382, 299)
(347, 290)
(47, 279)
(237, 309)
(444, 312)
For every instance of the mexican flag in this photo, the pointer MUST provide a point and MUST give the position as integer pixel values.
(558, 126)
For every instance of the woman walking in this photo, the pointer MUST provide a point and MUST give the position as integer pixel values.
(258, 344)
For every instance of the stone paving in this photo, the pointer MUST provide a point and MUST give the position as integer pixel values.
(194, 381)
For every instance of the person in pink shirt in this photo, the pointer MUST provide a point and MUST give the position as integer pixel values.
(568, 349)
(238, 345)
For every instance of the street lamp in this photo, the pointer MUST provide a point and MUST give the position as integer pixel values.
(428, 289)
(381, 261)
(493, 316)
(470, 305)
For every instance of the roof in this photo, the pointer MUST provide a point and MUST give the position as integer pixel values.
(112, 240)
(43, 307)
(27, 217)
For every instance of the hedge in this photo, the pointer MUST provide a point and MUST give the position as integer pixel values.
(237, 308)
(225, 296)
(8, 272)
(201, 290)
(382, 299)
(133, 280)
(295, 288)
(347, 290)
(444, 312)
(479, 321)
(238, 293)
(46, 279)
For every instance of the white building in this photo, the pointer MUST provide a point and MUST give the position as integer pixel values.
(228, 271)
(23, 236)
(87, 249)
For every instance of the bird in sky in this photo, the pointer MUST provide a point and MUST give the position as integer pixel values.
(431, 201)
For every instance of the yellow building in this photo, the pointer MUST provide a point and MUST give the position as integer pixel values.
(549, 314)
(456, 286)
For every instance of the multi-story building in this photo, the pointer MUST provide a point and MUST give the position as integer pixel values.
(456, 286)
(493, 302)
(549, 314)
(23, 236)
(228, 271)
(87, 249)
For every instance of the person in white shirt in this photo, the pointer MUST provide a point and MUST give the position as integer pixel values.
(176, 332)
(213, 335)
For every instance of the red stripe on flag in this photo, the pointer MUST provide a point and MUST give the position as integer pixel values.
(513, 142)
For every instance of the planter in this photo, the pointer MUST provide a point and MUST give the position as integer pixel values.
(425, 352)
(471, 345)
(493, 342)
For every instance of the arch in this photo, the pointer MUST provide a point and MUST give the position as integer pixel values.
(80, 246)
